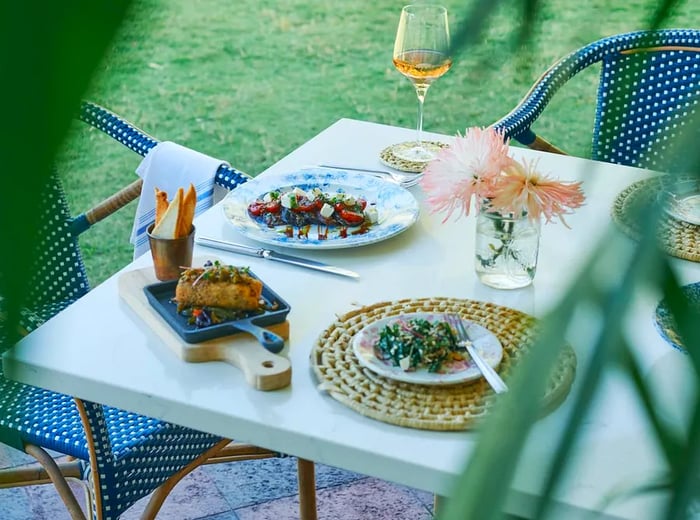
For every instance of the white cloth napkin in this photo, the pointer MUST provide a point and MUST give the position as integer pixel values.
(169, 166)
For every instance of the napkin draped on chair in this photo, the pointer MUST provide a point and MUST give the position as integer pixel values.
(169, 166)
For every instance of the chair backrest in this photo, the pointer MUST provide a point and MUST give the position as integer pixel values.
(59, 276)
(648, 94)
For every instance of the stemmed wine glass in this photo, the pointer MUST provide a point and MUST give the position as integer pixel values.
(422, 54)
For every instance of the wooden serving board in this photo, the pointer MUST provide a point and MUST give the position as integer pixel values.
(262, 369)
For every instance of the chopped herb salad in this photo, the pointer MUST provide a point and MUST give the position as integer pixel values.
(417, 342)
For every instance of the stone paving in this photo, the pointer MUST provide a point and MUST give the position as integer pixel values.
(249, 490)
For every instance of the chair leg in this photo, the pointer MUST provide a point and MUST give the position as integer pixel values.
(162, 492)
(58, 479)
(307, 489)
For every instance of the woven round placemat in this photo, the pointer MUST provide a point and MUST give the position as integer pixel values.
(452, 407)
(677, 238)
(388, 156)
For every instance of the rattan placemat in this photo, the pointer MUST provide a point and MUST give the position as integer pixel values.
(453, 407)
(677, 238)
(388, 156)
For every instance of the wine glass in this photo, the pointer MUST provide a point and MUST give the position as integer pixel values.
(422, 54)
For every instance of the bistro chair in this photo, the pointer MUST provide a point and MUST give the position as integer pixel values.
(119, 456)
(648, 96)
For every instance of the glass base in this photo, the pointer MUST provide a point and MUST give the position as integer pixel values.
(395, 155)
(414, 151)
(504, 281)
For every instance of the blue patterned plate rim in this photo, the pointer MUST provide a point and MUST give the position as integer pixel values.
(664, 322)
(397, 208)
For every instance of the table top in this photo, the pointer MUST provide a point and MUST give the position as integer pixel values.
(100, 350)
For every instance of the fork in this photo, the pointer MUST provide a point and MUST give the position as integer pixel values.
(491, 376)
(403, 179)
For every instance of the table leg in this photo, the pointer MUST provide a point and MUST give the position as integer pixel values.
(307, 490)
(439, 503)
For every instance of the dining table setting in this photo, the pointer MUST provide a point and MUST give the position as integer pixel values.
(316, 375)
(368, 302)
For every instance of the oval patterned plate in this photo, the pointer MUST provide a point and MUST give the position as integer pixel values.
(486, 343)
(397, 208)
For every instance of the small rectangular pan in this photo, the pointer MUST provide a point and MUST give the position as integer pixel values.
(160, 296)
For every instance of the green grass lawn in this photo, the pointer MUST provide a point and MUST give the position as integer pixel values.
(249, 83)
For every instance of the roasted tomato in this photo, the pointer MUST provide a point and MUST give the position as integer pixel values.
(259, 208)
(351, 218)
(308, 206)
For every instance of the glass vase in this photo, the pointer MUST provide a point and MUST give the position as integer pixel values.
(506, 249)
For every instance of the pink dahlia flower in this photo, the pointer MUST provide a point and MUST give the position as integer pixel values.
(465, 170)
(523, 188)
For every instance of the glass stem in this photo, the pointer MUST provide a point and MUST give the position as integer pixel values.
(421, 91)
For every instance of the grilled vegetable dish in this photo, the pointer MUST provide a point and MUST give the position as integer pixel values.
(297, 208)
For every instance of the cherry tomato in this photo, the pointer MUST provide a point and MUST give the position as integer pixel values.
(273, 207)
(259, 208)
(256, 209)
(308, 206)
(353, 218)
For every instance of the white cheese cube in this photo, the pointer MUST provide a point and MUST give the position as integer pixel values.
(405, 363)
(372, 214)
(288, 200)
(326, 210)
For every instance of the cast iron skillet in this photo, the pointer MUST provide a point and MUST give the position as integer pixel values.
(160, 296)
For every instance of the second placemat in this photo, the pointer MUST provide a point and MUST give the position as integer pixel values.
(677, 238)
(453, 407)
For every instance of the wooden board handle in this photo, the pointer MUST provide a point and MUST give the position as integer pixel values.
(262, 369)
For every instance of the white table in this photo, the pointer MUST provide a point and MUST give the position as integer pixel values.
(112, 357)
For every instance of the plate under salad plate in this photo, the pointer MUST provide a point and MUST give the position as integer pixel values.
(486, 343)
(397, 208)
(664, 321)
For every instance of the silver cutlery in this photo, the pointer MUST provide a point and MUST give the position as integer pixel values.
(405, 180)
(491, 376)
(269, 254)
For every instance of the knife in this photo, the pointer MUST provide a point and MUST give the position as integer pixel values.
(268, 254)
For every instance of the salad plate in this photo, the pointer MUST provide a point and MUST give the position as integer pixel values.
(365, 348)
(396, 208)
(664, 321)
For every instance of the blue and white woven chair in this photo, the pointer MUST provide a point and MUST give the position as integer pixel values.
(120, 456)
(648, 97)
